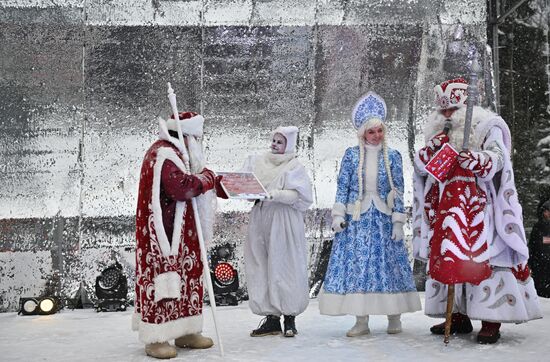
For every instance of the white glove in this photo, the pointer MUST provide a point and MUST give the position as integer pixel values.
(397, 232)
(337, 223)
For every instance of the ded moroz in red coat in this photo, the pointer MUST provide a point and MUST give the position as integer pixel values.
(169, 291)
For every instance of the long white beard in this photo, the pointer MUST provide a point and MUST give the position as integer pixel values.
(436, 123)
(196, 155)
(207, 202)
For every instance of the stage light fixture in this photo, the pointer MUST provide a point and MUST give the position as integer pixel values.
(225, 279)
(38, 305)
(111, 289)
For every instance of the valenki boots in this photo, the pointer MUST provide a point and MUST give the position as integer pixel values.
(195, 341)
(489, 333)
(270, 325)
(394, 324)
(161, 350)
(460, 323)
(360, 328)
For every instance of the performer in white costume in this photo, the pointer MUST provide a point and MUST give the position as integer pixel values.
(508, 295)
(275, 251)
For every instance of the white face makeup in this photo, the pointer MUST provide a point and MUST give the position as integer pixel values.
(374, 135)
(278, 144)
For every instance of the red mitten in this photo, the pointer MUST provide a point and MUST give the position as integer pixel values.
(437, 141)
(220, 192)
(207, 179)
(479, 163)
(432, 146)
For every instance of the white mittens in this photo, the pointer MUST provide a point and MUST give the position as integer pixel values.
(338, 214)
(397, 232)
(337, 223)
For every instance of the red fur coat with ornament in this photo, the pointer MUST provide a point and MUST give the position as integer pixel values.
(169, 289)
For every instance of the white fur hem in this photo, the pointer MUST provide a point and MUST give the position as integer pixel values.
(360, 304)
(167, 285)
(501, 298)
(136, 318)
(398, 217)
(164, 332)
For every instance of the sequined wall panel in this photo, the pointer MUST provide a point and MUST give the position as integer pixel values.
(40, 119)
(126, 70)
(83, 82)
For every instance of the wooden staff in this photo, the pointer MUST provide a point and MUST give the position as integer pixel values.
(471, 101)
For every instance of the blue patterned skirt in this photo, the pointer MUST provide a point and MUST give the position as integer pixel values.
(366, 264)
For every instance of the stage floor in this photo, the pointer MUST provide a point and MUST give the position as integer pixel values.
(84, 335)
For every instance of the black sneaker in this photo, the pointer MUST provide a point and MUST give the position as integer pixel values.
(270, 325)
(290, 326)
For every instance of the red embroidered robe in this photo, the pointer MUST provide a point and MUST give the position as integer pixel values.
(169, 289)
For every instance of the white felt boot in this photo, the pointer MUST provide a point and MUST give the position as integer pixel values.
(196, 341)
(394, 324)
(360, 328)
(161, 350)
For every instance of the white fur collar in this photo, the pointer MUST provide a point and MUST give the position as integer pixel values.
(270, 165)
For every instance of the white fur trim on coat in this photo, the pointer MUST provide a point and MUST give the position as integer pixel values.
(360, 304)
(164, 332)
(163, 154)
(398, 217)
(167, 285)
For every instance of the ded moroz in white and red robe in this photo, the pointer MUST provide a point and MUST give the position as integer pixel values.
(169, 290)
(508, 294)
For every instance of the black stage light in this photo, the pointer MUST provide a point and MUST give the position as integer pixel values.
(111, 289)
(38, 305)
(225, 279)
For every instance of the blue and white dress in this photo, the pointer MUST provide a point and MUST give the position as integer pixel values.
(368, 272)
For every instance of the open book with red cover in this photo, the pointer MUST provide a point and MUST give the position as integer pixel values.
(242, 185)
(442, 163)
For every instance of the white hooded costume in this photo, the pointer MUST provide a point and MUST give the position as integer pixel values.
(275, 252)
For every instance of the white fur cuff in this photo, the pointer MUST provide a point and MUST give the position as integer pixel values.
(338, 210)
(167, 285)
(398, 217)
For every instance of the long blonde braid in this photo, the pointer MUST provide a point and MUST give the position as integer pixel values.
(357, 208)
(391, 196)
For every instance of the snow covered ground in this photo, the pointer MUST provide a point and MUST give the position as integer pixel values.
(84, 335)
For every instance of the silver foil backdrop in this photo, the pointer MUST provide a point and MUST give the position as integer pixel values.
(83, 82)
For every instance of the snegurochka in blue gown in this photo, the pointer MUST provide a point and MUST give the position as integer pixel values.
(369, 270)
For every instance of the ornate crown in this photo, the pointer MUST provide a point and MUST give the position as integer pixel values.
(369, 106)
